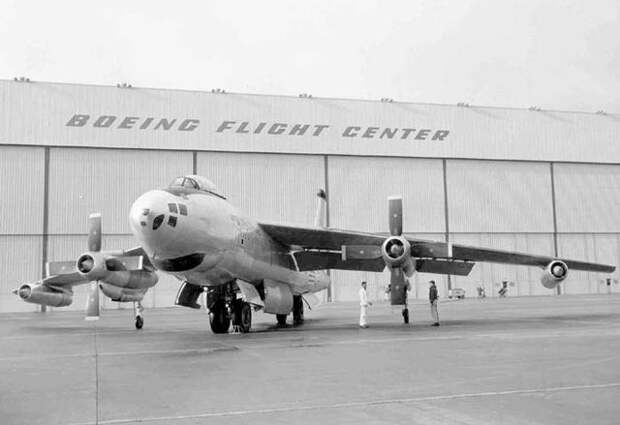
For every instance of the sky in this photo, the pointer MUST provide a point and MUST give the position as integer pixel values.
(560, 55)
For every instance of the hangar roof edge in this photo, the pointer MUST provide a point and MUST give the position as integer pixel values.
(406, 102)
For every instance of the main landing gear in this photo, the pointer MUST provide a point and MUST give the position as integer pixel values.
(298, 312)
(137, 311)
(224, 308)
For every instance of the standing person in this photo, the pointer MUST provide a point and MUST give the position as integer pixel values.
(364, 303)
(432, 297)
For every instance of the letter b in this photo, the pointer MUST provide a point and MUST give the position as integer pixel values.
(78, 121)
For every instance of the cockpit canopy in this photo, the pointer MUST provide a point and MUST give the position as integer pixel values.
(196, 182)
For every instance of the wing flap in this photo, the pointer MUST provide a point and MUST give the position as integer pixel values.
(458, 268)
(321, 260)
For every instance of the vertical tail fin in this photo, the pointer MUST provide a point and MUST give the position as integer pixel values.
(320, 217)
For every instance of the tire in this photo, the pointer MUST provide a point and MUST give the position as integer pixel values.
(243, 317)
(281, 318)
(139, 322)
(219, 318)
(298, 310)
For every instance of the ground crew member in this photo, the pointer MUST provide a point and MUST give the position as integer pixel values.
(433, 296)
(364, 303)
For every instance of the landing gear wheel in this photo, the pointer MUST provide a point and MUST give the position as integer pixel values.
(139, 322)
(219, 319)
(406, 315)
(298, 310)
(243, 317)
(281, 318)
(137, 311)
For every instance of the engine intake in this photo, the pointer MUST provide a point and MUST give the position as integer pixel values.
(43, 295)
(396, 252)
(91, 265)
(555, 272)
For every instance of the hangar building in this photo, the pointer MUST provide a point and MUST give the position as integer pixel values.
(545, 182)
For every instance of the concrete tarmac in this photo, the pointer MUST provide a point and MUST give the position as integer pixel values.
(536, 360)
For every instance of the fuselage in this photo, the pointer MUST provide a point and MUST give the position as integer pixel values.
(199, 237)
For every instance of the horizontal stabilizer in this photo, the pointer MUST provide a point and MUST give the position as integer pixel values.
(53, 268)
(458, 268)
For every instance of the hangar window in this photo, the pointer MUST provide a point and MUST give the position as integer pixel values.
(182, 209)
(172, 208)
(172, 221)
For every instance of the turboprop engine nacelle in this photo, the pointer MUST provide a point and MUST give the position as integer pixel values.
(41, 294)
(396, 252)
(91, 265)
(121, 294)
(554, 273)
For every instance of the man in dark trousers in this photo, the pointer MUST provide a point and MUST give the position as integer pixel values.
(432, 297)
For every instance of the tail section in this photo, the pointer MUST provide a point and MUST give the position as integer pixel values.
(320, 217)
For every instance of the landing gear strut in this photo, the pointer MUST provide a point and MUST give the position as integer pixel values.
(137, 310)
(281, 318)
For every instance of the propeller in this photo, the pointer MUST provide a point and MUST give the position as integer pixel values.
(94, 245)
(395, 248)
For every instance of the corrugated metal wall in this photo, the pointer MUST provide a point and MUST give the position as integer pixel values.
(267, 187)
(21, 221)
(498, 204)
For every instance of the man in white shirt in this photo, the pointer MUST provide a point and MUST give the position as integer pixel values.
(364, 303)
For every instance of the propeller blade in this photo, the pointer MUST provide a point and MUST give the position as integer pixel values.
(395, 208)
(398, 287)
(92, 304)
(94, 232)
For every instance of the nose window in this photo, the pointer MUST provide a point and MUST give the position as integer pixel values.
(157, 221)
(172, 208)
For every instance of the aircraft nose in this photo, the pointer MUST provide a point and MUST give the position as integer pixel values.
(148, 212)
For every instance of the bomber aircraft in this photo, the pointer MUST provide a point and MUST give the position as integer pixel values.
(191, 231)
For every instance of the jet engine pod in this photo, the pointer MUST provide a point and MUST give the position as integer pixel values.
(43, 295)
(91, 265)
(396, 252)
(554, 273)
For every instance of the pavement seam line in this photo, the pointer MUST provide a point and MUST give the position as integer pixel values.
(354, 404)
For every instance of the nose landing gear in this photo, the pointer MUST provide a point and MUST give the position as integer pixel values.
(137, 310)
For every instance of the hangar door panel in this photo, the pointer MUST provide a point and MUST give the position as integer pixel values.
(20, 257)
(22, 190)
(359, 187)
(107, 181)
(490, 275)
(499, 196)
(598, 248)
(587, 197)
(267, 187)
